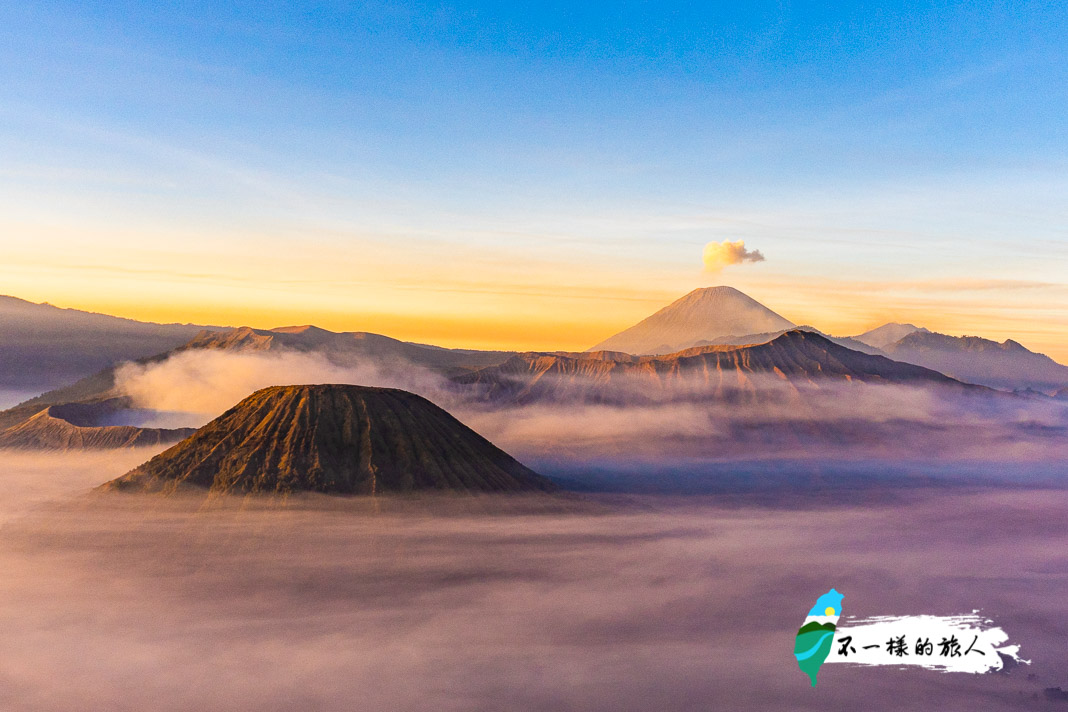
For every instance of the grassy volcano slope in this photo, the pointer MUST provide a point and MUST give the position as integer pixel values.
(334, 438)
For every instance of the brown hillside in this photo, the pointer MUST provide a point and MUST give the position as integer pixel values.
(334, 438)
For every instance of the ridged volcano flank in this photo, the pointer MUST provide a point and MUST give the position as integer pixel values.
(333, 438)
(706, 373)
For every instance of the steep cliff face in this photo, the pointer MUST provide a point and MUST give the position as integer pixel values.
(334, 438)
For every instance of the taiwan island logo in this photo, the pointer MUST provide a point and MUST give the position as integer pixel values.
(816, 637)
(961, 643)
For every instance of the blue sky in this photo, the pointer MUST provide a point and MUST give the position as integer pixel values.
(539, 149)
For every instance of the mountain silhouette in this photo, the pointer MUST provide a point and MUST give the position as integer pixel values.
(1007, 365)
(887, 334)
(44, 347)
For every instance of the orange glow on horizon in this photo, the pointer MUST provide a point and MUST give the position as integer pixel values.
(492, 300)
(572, 323)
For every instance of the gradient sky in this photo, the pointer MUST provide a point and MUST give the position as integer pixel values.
(537, 175)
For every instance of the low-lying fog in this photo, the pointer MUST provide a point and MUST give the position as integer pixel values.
(122, 602)
(642, 423)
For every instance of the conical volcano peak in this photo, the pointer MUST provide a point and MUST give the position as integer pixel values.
(333, 438)
(711, 293)
(721, 297)
(700, 316)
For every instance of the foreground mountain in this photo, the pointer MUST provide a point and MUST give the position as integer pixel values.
(795, 359)
(76, 426)
(43, 347)
(703, 315)
(334, 438)
(888, 334)
(1007, 365)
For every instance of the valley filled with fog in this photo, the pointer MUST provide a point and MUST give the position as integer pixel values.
(593, 602)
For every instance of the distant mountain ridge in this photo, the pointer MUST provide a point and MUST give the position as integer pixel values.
(43, 347)
(704, 373)
(342, 347)
(703, 315)
(887, 334)
(752, 339)
(1007, 365)
(723, 368)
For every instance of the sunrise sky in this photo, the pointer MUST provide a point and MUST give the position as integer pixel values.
(542, 175)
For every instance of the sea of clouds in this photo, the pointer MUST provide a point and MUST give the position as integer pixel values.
(126, 602)
(767, 419)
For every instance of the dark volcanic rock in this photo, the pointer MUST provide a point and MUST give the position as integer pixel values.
(334, 438)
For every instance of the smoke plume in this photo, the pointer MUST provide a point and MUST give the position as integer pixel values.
(718, 255)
